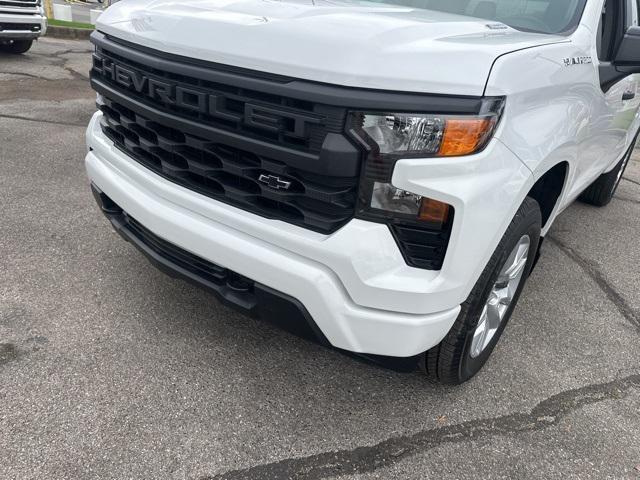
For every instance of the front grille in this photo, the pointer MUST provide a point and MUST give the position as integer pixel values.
(19, 3)
(18, 7)
(230, 174)
(270, 154)
(28, 27)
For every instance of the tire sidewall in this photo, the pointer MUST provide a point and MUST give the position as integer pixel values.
(17, 47)
(531, 226)
(619, 171)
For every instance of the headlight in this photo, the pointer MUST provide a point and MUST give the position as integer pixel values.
(393, 133)
(406, 135)
(389, 137)
(421, 226)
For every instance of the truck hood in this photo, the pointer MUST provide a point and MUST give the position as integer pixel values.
(349, 43)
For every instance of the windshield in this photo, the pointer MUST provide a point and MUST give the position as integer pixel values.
(541, 16)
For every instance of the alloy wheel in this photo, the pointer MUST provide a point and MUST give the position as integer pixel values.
(501, 296)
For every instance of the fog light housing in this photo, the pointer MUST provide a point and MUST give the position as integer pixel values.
(391, 202)
(421, 226)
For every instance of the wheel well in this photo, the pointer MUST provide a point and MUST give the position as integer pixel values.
(548, 188)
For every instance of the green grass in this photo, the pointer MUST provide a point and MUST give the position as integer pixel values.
(62, 23)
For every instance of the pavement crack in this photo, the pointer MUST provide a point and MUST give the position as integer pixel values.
(369, 458)
(631, 181)
(76, 75)
(27, 75)
(628, 200)
(597, 276)
(64, 52)
(41, 120)
(57, 59)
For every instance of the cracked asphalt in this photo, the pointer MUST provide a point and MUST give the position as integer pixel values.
(111, 370)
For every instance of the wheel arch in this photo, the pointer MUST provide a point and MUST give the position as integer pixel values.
(548, 190)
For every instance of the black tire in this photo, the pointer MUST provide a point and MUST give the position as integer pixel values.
(16, 46)
(601, 192)
(451, 362)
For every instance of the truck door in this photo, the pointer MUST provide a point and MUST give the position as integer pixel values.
(628, 115)
(632, 95)
(616, 111)
(623, 98)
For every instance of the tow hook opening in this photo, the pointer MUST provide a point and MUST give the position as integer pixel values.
(239, 283)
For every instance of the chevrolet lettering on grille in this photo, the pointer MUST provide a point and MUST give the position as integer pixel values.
(214, 104)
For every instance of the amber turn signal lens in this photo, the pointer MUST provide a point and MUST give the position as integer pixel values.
(434, 211)
(465, 136)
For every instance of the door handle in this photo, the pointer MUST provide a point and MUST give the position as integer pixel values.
(630, 95)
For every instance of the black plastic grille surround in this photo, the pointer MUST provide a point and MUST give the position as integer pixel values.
(225, 105)
(257, 151)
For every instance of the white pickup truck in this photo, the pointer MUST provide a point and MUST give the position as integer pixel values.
(378, 174)
(21, 22)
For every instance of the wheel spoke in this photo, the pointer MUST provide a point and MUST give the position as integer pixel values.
(493, 315)
(480, 335)
(501, 296)
(517, 267)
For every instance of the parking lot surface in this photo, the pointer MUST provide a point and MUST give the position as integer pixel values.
(110, 369)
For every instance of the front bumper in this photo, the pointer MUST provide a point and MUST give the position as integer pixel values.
(232, 289)
(354, 283)
(18, 27)
(18, 35)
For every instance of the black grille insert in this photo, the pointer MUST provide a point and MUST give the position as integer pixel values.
(204, 269)
(22, 27)
(229, 174)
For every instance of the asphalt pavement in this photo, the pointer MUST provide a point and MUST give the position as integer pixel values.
(111, 370)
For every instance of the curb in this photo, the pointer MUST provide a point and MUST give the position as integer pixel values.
(68, 33)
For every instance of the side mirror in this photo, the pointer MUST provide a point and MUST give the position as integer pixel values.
(629, 52)
(626, 61)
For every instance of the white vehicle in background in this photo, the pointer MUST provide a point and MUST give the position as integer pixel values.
(383, 172)
(21, 22)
